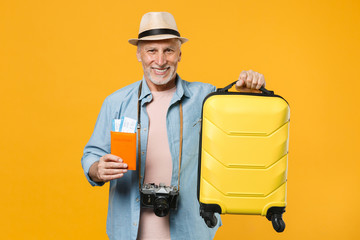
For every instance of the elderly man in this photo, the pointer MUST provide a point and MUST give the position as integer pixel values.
(164, 105)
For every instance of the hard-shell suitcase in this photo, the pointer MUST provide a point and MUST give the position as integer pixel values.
(243, 155)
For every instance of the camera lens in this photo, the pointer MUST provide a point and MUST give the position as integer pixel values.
(161, 206)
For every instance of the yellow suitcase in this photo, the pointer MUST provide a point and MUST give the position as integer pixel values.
(243, 155)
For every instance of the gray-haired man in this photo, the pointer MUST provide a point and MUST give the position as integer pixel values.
(168, 105)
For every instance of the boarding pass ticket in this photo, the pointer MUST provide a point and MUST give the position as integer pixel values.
(124, 124)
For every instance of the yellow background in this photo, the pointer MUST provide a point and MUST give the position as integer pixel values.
(60, 59)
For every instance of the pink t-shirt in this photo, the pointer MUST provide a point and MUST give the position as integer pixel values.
(158, 166)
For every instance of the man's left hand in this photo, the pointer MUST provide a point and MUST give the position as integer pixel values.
(250, 81)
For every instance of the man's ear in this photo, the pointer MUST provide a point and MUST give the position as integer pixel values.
(138, 55)
(179, 56)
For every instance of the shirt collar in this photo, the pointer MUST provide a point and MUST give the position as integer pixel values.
(145, 91)
(181, 89)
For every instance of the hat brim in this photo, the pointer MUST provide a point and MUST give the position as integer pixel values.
(134, 41)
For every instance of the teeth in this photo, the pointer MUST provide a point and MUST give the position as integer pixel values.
(161, 70)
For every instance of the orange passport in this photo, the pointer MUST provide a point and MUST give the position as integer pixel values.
(124, 145)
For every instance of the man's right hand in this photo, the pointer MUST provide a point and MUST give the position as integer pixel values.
(109, 167)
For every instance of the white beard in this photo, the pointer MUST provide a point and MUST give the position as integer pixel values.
(162, 82)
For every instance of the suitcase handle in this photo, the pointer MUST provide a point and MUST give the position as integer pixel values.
(262, 89)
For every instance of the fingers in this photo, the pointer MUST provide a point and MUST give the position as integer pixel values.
(240, 83)
(115, 165)
(242, 79)
(261, 82)
(111, 167)
(107, 171)
(250, 80)
(254, 82)
(110, 157)
(108, 174)
(106, 178)
(111, 162)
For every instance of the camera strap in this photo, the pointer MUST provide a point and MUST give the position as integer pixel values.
(139, 140)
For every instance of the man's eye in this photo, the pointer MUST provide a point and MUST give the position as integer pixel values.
(151, 50)
(169, 50)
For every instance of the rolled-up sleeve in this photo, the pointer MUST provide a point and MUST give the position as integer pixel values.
(99, 143)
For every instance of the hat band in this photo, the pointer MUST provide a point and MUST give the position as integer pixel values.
(158, 31)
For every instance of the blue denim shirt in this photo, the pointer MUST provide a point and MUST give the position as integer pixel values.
(124, 197)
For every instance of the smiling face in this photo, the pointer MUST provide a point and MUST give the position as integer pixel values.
(159, 60)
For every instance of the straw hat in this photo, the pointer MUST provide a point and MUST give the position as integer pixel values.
(157, 26)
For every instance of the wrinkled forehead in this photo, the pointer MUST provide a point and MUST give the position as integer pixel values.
(173, 42)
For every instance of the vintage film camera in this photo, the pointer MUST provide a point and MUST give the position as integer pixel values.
(159, 197)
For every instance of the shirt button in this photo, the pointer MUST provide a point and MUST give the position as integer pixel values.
(144, 129)
(135, 224)
(142, 153)
(137, 199)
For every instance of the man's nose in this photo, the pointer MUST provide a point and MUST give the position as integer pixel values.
(160, 59)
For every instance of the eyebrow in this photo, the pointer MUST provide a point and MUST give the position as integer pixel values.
(149, 47)
(153, 47)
